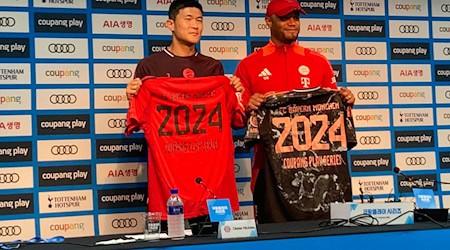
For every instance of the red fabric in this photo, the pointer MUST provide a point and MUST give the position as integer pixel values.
(283, 7)
(276, 68)
(177, 154)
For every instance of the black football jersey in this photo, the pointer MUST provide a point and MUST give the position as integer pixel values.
(306, 135)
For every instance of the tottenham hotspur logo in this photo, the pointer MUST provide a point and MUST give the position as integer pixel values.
(50, 199)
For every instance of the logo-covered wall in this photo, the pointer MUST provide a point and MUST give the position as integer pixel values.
(67, 169)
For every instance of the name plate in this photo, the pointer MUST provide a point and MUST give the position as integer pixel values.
(237, 229)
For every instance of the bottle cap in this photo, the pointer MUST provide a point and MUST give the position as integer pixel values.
(174, 191)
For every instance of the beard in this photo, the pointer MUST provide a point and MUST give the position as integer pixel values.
(289, 37)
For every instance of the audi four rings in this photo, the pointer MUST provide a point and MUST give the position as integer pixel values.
(117, 123)
(366, 51)
(64, 150)
(63, 99)
(237, 168)
(415, 161)
(10, 230)
(367, 95)
(61, 48)
(222, 26)
(446, 51)
(7, 21)
(124, 223)
(9, 178)
(409, 29)
(370, 140)
(119, 73)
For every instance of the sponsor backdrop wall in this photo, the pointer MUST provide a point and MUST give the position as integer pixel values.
(66, 167)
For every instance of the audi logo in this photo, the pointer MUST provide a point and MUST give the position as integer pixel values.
(119, 73)
(10, 230)
(414, 161)
(9, 178)
(237, 168)
(445, 8)
(366, 50)
(117, 123)
(446, 51)
(447, 94)
(61, 48)
(408, 29)
(222, 26)
(7, 21)
(124, 223)
(64, 150)
(63, 99)
(370, 140)
(367, 95)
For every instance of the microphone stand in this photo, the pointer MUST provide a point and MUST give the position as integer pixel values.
(426, 214)
(206, 227)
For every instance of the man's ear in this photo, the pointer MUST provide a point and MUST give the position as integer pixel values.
(268, 22)
(170, 24)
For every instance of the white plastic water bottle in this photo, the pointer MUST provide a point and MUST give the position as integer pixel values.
(175, 215)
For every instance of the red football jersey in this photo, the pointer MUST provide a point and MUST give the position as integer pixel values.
(187, 126)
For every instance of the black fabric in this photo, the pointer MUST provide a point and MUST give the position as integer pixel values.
(164, 63)
(299, 229)
(306, 135)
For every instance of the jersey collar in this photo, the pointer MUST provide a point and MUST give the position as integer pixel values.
(172, 55)
(271, 48)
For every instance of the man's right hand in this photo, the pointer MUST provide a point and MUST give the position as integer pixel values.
(255, 101)
(133, 87)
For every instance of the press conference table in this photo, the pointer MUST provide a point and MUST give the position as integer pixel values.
(293, 235)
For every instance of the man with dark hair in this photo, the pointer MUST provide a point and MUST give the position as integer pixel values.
(281, 65)
(180, 59)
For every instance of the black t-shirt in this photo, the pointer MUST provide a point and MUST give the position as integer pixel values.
(165, 63)
(306, 135)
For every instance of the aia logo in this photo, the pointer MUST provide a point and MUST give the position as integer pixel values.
(118, 24)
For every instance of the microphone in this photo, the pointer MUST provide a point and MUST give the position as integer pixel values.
(398, 171)
(199, 181)
(411, 178)
(393, 196)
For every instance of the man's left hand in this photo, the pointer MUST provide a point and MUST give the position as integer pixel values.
(237, 85)
(348, 96)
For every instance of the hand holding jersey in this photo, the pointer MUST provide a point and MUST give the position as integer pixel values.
(305, 135)
(134, 85)
(187, 125)
(284, 65)
(257, 99)
(179, 61)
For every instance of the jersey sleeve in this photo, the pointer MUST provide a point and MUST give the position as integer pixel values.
(236, 108)
(242, 74)
(136, 110)
(350, 129)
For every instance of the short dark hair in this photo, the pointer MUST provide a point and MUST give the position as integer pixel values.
(177, 5)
